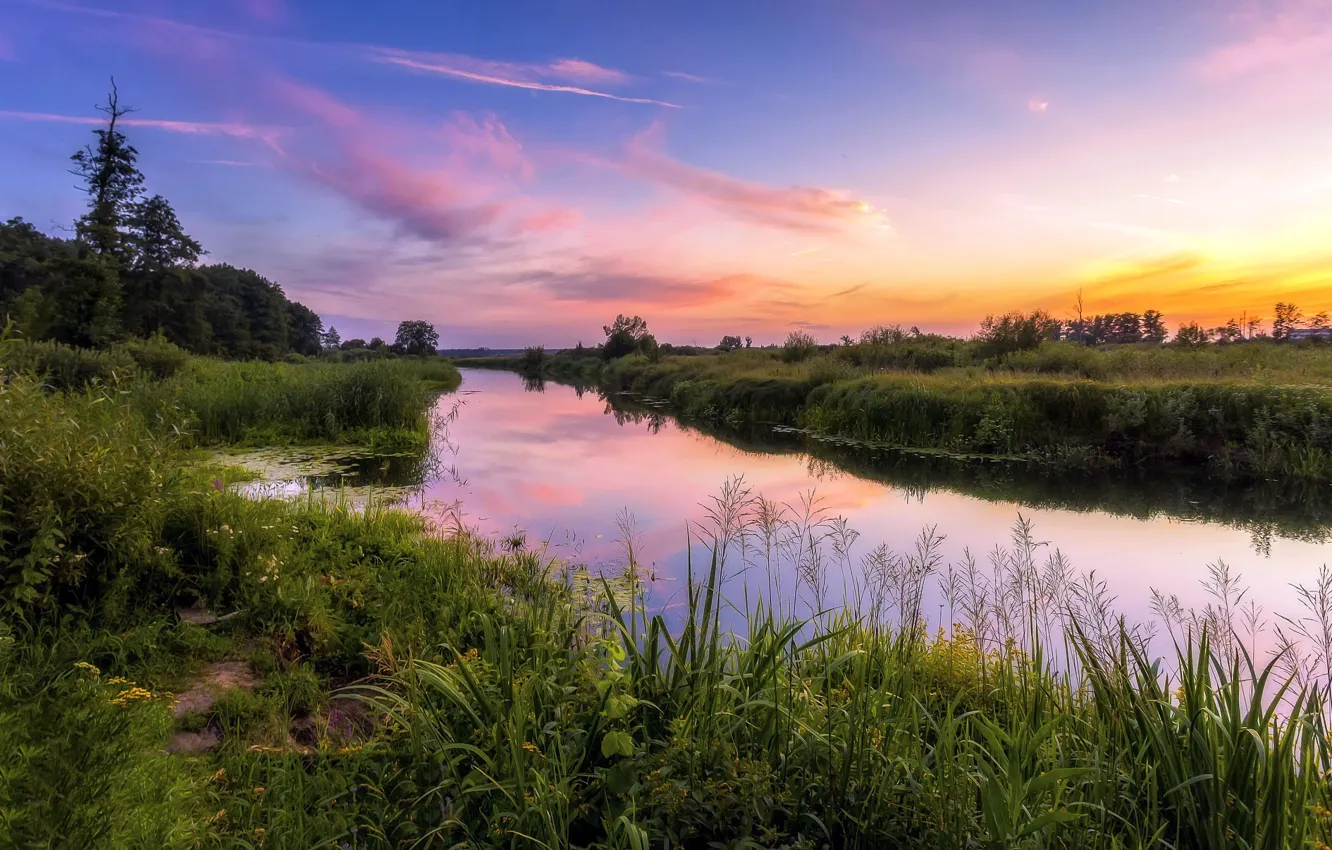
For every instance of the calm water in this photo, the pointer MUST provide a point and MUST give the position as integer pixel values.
(558, 466)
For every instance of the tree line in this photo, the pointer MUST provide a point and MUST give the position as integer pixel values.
(129, 269)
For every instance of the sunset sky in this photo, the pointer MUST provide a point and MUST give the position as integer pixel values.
(520, 172)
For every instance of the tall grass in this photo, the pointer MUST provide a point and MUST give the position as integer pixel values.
(1232, 426)
(278, 402)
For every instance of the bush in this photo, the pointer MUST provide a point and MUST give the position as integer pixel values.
(84, 487)
(64, 367)
(157, 356)
(1059, 358)
(799, 346)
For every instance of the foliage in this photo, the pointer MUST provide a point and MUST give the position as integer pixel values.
(81, 510)
(625, 336)
(416, 337)
(1191, 335)
(799, 345)
(533, 359)
(1016, 332)
(111, 179)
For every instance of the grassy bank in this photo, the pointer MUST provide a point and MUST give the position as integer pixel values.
(381, 404)
(1252, 409)
(418, 687)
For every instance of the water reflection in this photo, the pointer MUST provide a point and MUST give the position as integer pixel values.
(549, 465)
(561, 465)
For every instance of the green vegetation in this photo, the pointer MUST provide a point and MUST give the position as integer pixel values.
(1252, 408)
(406, 687)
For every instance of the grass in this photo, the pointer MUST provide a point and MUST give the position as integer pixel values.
(421, 687)
(1258, 409)
(378, 404)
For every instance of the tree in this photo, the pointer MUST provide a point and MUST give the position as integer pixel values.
(1153, 327)
(1191, 335)
(156, 239)
(749, 342)
(416, 337)
(623, 336)
(376, 343)
(1288, 318)
(332, 339)
(349, 344)
(730, 343)
(85, 292)
(1231, 331)
(1077, 329)
(306, 329)
(111, 179)
(1016, 332)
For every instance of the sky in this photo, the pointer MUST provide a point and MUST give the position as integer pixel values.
(520, 172)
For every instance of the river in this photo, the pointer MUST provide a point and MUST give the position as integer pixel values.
(555, 467)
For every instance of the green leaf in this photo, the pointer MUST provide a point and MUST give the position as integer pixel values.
(617, 743)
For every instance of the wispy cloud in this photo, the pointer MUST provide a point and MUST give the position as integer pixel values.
(795, 208)
(583, 71)
(502, 73)
(489, 140)
(688, 78)
(603, 281)
(268, 135)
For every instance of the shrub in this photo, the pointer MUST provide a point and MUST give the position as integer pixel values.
(84, 486)
(157, 356)
(64, 367)
(799, 346)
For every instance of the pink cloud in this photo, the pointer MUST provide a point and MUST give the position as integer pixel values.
(444, 201)
(794, 208)
(584, 71)
(488, 140)
(547, 220)
(315, 102)
(499, 73)
(1274, 35)
(268, 135)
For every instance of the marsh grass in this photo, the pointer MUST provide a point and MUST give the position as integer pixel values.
(1247, 410)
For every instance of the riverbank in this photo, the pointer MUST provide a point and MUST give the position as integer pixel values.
(1248, 410)
(325, 676)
